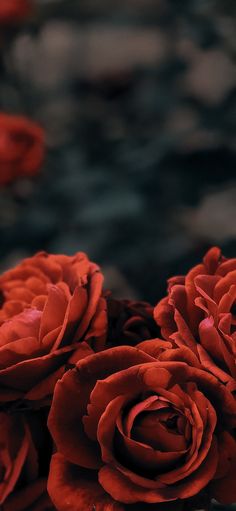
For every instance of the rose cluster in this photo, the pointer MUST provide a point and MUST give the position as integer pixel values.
(114, 405)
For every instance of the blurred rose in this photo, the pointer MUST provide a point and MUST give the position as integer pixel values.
(33, 497)
(13, 11)
(200, 312)
(49, 304)
(21, 147)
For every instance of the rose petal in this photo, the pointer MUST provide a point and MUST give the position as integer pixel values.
(28, 373)
(17, 351)
(226, 266)
(224, 489)
(96, 369)
(135, 410)
(94, 294)
(65, 416)
(227, 299)
(208, 364)
(158, 436)
(223, 285)
(26, 324)
(182, 354)
(212, 259)
(72, 488)
(75, 310)
(184, 331)
(27, 498)
(120, 488)
(98, 328)
(154, 347)
(123, 490)
(164, 317)
(210, 338)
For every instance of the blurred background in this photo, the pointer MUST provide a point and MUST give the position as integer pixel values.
(137, 99)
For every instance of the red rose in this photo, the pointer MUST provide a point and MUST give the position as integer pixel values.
(12, 11)
(18, 458)
(131, 429)
(49, 304)
(21, 146)
(33, 497)
(199, 312)
(129, 322)
(29, 493)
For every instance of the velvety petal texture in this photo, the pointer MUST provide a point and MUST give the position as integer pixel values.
(33, 497)
(73, 488)
(129, 322)
(51, 307)
(199, 312)
(140, 426)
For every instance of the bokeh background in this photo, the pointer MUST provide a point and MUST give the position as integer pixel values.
(137, 99)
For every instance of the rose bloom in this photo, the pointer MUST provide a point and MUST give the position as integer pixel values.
(199, 312)
(129, 322)
(49, 304)
(13, 11)
(140, 426)
(22, 147)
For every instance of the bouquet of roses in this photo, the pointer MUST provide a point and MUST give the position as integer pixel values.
(111, 405)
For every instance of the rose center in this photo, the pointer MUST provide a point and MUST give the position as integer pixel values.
(172, 423)
(151, 427)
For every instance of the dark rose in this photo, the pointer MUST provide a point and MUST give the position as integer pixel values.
(18, 457)
(130, 428)
(200, 312)
(129, 322)
(33, 497)
(13, 11)
(49, 304)
(21, 146)
(29, 493)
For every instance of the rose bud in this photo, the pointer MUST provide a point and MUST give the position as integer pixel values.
(33, 497)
